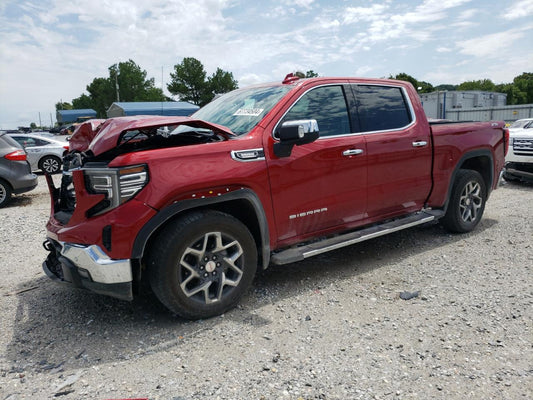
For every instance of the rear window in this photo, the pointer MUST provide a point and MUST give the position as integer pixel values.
(381, 108)
(7, 141)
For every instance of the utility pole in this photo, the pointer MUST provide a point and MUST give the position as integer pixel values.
(40, 123)
(116, 85)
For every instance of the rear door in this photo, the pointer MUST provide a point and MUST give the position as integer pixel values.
(321, 185)
(398, 150)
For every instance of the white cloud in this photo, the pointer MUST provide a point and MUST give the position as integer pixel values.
(356, 14)
(490, 45)
(519, 9)
(363, 71)
(299, 3)
(471, 13)
(55, 48)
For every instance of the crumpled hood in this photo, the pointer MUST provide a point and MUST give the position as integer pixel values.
(84, 133)
(99, 138)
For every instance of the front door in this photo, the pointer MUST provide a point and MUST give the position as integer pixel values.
(321, 185)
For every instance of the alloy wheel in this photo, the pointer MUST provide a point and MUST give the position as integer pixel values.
(210, 267)
(470, 201)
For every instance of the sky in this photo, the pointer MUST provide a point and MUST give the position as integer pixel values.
(50, 50)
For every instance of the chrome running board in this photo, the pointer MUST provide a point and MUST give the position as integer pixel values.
(300, 253)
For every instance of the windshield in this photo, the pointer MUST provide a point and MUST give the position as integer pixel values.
(242, 109)
(521, 123)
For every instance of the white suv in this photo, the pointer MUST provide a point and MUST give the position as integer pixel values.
(519, 159)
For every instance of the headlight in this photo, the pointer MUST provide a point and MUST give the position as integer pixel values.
(118, 185)
(131, 180)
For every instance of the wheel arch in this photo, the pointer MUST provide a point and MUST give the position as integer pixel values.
(481, 161)
(242, 204)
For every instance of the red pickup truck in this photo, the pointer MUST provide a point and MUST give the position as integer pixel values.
(268, 174)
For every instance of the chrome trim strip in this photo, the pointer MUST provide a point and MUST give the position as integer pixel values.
(248, 155)
(404, 93)
(93, 259)
(367, 237)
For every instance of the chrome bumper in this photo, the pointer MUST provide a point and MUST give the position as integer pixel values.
(88, 267)
(100, 267)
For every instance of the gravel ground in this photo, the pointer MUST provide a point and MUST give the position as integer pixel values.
(332, 327)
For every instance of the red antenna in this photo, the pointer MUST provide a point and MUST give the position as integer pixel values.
(290, 78)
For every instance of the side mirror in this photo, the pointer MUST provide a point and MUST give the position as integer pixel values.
(293, 133)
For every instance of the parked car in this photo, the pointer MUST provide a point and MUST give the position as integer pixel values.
(519, 159)
(68, 129)
(15, 172)
(43, 153)
(269, 174)
(43, 134)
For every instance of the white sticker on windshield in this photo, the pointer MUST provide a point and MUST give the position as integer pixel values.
(251, 112)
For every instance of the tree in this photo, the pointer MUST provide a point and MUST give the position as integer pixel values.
(132, 83)
(132, 86)
(81, 102)
(524, 84)
(485, 85)
(420, 86)
(102, 95)
(308, 74)
(189, 82)
(62, 105)
(445, 87)
(220, 82)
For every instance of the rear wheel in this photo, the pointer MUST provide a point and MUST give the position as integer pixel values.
(201, 264)
(467, 202)
(50, 164)
(5, 193)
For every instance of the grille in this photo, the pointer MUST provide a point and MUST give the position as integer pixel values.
(523, 147)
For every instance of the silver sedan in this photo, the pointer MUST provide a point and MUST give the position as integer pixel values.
(43, 153)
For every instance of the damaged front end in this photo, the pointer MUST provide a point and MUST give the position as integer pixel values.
(94, 211)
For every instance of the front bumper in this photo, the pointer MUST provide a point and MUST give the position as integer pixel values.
(88, 267)
(519, 170)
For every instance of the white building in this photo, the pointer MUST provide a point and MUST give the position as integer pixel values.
(437, 104)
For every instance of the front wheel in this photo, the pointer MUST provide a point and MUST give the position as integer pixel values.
(201, 264)
(467, 202)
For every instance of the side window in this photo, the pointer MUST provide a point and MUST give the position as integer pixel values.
(25, 141)
(381, 108)
(327, 105)
(39, 142)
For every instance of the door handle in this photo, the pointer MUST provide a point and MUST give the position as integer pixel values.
(420, 143)
(352, 152)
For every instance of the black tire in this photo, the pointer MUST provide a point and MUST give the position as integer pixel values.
(467, 202)
(50, 164)
(201, 264)
(5, 193)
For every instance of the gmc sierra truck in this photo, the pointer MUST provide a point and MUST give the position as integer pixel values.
(268, 174)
